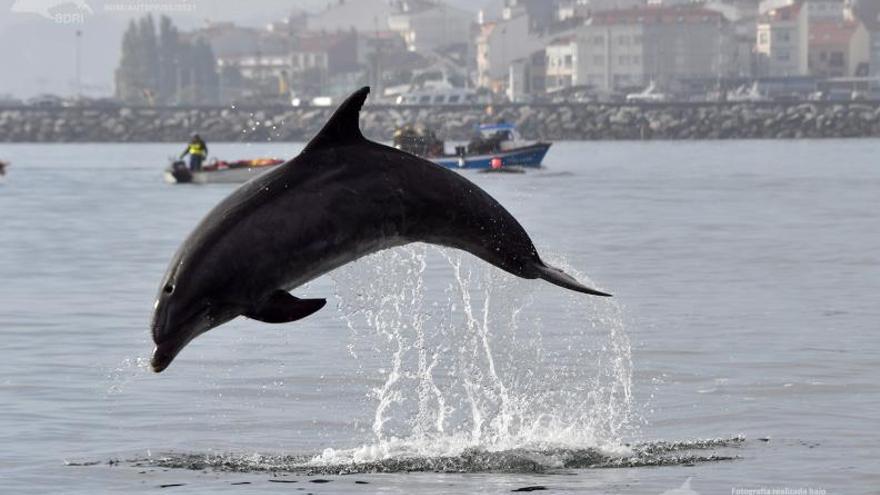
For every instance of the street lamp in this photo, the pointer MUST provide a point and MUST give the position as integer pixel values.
(78, 68)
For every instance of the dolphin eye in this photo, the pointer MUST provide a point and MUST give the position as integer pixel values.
(168, 289)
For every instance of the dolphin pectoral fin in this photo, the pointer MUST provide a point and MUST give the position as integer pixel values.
(562, 279)
(281, 307)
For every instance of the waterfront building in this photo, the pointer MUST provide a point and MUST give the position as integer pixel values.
(499, 43)
(428, 26)
(782, 41)
(632, 47)
(838, 48)
(868, 13)
(561, 68)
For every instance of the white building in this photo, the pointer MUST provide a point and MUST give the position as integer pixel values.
(868, 13)
(632, 47)
(783, 41)
(561, 70)
(498, 45)
(428, 26)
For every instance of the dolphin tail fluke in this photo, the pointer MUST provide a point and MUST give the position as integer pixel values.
(558, 277)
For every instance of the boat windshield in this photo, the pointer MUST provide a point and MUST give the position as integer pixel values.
(506, 132)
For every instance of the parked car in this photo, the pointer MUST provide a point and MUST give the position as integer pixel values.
(649, 94)
(10, 101)
(45, 101)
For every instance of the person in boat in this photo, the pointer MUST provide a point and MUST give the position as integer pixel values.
(2, 168)
(197, 151)
(418, 140)
(480, 145)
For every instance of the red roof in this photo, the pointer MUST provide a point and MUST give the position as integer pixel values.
(565, 40)
(319, 42)
(832, 32)
(657, 15)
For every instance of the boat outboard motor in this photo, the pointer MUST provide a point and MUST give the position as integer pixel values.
(181, 172)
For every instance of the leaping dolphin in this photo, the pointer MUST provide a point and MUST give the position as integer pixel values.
(342, 198)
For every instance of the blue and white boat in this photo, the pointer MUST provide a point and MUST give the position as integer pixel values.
(495, 146)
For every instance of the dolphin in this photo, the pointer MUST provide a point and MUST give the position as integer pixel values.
(342, 198)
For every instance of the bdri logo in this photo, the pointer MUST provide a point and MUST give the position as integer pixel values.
(48, 8)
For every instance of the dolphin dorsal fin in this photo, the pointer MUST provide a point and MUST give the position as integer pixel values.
(343, 127)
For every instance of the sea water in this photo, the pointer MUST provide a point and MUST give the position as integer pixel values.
(740, 350)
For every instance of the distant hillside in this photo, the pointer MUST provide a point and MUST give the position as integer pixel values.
(42, 52)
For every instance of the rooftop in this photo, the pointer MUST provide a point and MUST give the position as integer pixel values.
(832, 32)
(782, 14)
(564, 40)
(360, 15)
(657, 15)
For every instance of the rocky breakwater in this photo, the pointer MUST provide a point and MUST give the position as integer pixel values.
(589, 121)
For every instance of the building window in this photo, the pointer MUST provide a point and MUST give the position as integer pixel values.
(762, 37)
(598, 40)
(623, 40)
(568, 60)
(836, 59)
(623, 59)
(784, 36)
(598, 59)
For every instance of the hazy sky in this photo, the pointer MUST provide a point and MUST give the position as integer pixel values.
(38, 54)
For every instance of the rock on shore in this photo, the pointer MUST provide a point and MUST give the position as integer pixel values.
(592, 121)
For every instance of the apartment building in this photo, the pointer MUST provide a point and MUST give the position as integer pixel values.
(782, 41)
(838, 48)
(632, 47)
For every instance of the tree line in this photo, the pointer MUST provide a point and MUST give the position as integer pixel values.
(163, 67)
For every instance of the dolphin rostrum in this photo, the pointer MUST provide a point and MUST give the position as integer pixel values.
(342, 198)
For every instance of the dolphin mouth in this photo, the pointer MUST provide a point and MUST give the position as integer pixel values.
(168, 349)
(165, 352)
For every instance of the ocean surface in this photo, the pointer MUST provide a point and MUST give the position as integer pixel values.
(740, 352)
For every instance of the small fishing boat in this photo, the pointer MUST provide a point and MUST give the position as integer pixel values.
(3, 166)
(220, 172)
(495, 146)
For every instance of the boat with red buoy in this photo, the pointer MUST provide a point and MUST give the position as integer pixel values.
(494, 147)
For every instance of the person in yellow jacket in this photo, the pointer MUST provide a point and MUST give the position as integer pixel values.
(197, 151)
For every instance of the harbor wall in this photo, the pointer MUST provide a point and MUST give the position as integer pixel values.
(587, 121)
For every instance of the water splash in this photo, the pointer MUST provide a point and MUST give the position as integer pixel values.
(469, 364)
(488, 373)
(470, 460)
(128, 369)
